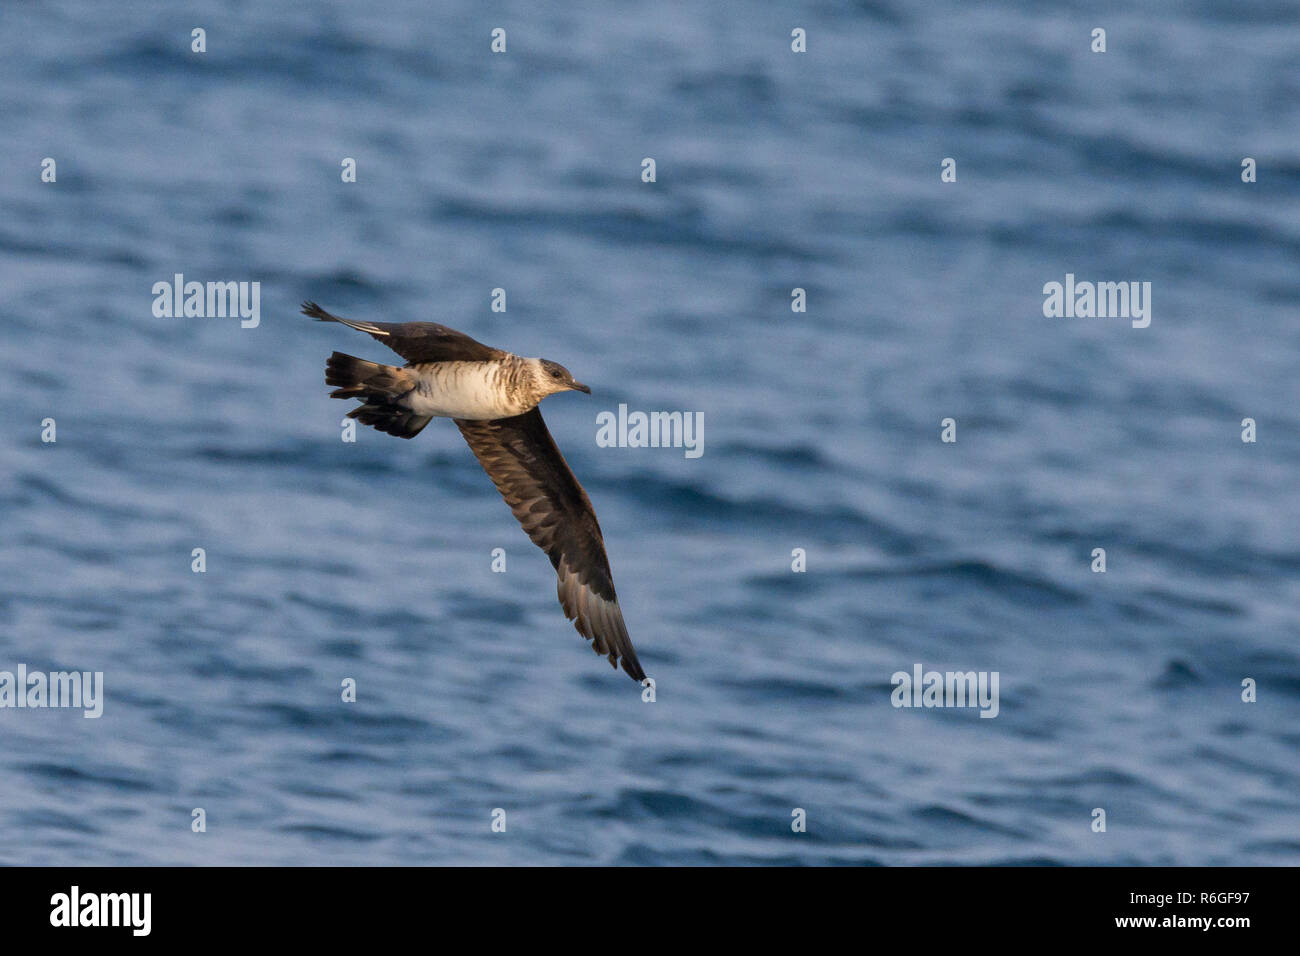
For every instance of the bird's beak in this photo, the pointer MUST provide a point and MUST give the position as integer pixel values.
(579, 387)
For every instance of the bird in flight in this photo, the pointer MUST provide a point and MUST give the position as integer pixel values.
(492, 396)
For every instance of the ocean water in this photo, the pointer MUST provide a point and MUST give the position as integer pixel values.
(822, 431)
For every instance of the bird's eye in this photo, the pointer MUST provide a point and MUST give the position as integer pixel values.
(555, 375)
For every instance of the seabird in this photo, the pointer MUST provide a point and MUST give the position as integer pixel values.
(492, 396)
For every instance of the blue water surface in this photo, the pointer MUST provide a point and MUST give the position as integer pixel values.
(775, 170)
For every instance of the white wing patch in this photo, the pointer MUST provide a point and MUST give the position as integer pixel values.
(362, 326)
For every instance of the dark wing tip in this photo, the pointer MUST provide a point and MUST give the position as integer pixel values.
(633, 668)
(625, 655)
(316, 312)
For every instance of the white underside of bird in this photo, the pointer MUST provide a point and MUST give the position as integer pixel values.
(468, 390)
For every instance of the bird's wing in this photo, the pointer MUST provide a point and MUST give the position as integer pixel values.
(416, 342)
(520, 457)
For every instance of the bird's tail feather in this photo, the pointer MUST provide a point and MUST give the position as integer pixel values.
(380, 388)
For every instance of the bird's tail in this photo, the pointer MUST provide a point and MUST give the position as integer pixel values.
(380, 388)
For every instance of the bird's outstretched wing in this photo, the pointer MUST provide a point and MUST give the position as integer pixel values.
(417, 342)
(522, 460)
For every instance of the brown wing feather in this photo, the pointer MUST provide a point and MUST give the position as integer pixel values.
(415, 341)
(522, 460)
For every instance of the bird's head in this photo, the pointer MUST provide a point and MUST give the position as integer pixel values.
(553, 377)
